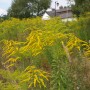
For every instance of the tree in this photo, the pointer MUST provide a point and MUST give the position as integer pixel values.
(28, 8)
(3, 18)
(81, 7)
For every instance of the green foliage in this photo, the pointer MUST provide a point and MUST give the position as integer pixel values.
(28, 8)
(81, 27)
(81, 7)
(59, 75)
(3, 18)
(43, 55)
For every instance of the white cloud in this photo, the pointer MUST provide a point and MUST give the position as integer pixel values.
(2, 12)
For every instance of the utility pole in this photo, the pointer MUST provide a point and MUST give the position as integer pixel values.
(56, 4)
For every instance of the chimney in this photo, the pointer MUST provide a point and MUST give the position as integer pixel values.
(53, 9)
(61, 7)
(65, 7)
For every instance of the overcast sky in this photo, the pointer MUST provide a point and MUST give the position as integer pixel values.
(61, 3)
(5, 4)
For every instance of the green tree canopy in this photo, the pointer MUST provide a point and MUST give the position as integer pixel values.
(28, 8)
(81, 7)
